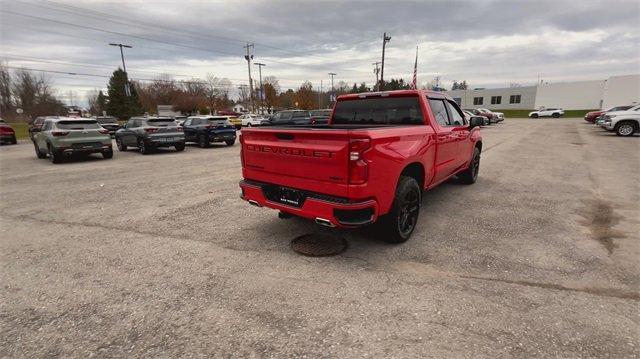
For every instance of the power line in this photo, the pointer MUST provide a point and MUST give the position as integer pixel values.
(128, 21)
(146, 38)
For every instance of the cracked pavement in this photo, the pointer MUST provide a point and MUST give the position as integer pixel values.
(156, 255)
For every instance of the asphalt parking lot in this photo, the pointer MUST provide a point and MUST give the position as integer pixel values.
(157, 256)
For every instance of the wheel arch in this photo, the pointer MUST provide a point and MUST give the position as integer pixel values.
(416, 171)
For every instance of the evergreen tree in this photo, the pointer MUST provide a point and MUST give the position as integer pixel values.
(120, 105)
(101, 102)
(455, 85)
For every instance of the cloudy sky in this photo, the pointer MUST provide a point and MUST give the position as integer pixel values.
(486, 43)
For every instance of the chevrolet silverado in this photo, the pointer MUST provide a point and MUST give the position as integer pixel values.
(369, 164)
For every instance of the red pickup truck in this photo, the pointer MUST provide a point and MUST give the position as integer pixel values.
(370, 163)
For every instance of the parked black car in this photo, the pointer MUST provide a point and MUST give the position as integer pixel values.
(109, 123)
(320, 117)
(206, 129)
(289, 117)
(36, 126)
(149, 133)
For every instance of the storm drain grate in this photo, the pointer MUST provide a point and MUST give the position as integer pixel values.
(319, 245)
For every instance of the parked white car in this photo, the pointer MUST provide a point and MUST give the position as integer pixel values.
(250, 119)
(623, 123)
(547, 112)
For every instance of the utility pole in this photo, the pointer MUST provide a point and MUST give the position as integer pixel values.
(127, 91)
(377, 72)
(320, 96)
(249, 57)
(385, 39)
(333, 92)
(261, 87)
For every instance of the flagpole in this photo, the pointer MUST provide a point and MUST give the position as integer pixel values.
(415, 72)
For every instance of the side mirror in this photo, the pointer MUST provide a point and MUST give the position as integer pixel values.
(475, 122)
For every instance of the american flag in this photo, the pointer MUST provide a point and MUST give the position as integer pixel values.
(414, 84)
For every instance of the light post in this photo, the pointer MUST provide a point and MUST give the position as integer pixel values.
(333, 93)
(385, 39)
(261, 87)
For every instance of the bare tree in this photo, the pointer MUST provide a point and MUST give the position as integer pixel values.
(6, 100)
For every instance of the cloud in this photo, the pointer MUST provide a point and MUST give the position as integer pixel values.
(486, 43)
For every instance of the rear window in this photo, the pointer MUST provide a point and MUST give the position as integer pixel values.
(321, 113)
(77, 125)
(379, 111)
(217, 120)
(300, 114)
(106, 120)
(161, 122)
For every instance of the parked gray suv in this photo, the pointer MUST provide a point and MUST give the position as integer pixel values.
(149, 133)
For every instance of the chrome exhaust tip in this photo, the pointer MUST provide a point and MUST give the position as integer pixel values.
(254, 203)
(324, 222)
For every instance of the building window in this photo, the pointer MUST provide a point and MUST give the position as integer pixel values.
(496, 100)
(458, 100)
(477, 100)
(514, 99)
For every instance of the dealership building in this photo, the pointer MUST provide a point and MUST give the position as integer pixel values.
(578, 95)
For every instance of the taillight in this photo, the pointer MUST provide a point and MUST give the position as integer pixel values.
(4, 129)
(103, 131)
(358, 171)
(59, 133)
(151, 129)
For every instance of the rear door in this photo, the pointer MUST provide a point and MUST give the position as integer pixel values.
(189, 129)
(446, 154)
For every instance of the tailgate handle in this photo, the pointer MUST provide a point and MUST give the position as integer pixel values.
(284, 136)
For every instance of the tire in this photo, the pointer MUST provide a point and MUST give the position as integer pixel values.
(399, 223)
(144, 147)
(54, 156)
(107, 155)
(555, 115)
(230, 142)
(470, 175)
(203, 141)
(39, 154)
(625, 128)
(249, 124)
(179, 147)
(535, 115)
(121, 146)
(14, 141)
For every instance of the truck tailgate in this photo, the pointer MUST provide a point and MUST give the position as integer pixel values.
(320, 156)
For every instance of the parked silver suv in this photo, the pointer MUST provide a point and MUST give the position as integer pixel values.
(149, 133)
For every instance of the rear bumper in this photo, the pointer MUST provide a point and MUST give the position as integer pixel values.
(327, 210)
(93, 149)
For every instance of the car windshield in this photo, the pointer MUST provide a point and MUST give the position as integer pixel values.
(106, 120)
(161, 122)
(378, 111)
(77, 125)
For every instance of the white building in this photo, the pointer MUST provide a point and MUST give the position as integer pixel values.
(576, 95)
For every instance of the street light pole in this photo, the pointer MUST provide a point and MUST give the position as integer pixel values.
(249, 57)
(385, 39)
(127, 91)
(333, 92)
(261, 87)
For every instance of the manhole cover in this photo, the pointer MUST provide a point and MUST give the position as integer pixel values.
(318, 245)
